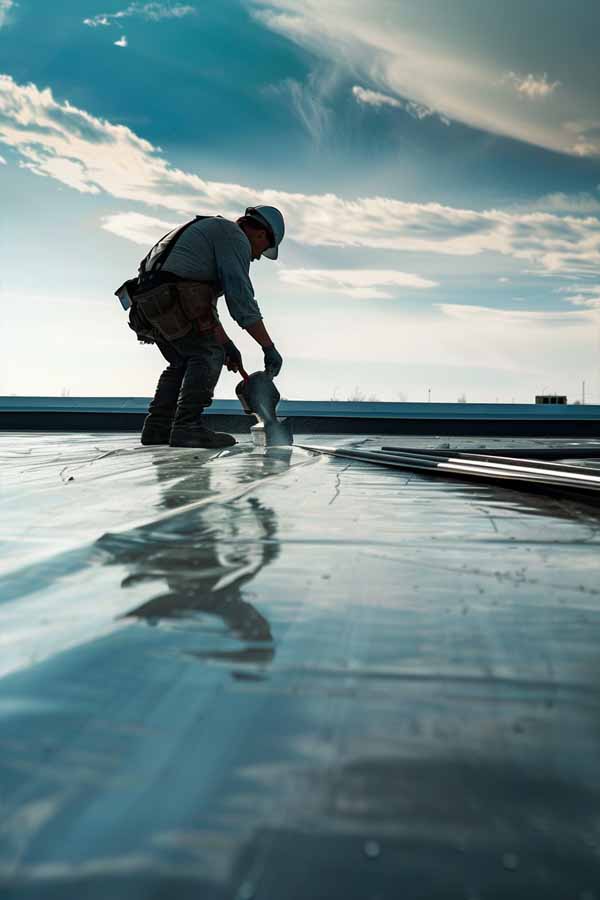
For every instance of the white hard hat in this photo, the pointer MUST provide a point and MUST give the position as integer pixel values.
(274, 220)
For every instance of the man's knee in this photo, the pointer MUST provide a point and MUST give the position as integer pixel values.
(209, 363)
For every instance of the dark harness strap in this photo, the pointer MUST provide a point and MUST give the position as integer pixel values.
(150, 272)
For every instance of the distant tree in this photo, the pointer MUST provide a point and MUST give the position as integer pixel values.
(358, 396)
(462, 398)
(65, 392)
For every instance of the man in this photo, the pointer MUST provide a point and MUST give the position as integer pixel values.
(174, 306)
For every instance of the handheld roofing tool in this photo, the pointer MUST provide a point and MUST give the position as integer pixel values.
(259, 397)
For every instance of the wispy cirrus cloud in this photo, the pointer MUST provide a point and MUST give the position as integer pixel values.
(293, 24)
(581, 203)
(91, 155)
(308, 100)
(454, 63)
(522, 339)
(466, 312)
(585, 136)
(583, 295)
(531, 86)
(5, 7)
(151, 12)
(498, 344)
(363, 284)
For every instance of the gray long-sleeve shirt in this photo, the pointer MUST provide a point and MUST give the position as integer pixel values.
(216, 249)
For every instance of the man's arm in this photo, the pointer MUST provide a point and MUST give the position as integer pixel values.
(232, 257)
(273, 359)
(260, 334)
(233, 264)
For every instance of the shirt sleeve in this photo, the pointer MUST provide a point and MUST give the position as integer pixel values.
(232, 257)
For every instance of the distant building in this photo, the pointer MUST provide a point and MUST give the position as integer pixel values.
(550, 398)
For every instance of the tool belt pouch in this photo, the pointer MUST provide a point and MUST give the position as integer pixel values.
(199, 304)
(137, 322)
(163, 311)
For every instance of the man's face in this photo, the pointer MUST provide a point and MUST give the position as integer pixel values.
(259, 242)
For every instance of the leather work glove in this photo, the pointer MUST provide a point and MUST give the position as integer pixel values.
(233, 357)
(273, 361)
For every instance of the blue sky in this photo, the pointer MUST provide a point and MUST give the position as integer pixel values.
(438, 166)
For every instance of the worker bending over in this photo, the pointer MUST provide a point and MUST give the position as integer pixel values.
(174, 305)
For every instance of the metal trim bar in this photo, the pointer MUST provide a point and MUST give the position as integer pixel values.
(550, 482)
(592, 451)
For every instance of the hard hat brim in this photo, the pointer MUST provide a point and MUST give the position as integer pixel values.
(271, 252)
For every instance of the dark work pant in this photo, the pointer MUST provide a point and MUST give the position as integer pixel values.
(187, 385)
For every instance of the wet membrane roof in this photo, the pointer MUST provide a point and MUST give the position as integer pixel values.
(269, 674)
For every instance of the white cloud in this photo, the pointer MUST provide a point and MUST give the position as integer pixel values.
(459, 71)
(504, 280)
(591, 302)
(2, 161)
(294, 26)
(581, 203)
(122, 42)
(89, 154)
(374, 98)
(587, 289)
(587, 295)
(365, 284)
(582, 147)
(136, 227)
(419, 111)
(68, 171)
(5, 8)
(96, 21)
(530, 86)
(584, 135)
(151, 12)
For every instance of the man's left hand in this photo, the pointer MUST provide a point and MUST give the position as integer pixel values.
(233, 357)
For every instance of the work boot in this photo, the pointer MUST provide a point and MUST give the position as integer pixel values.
(153, 434)
(200, 436)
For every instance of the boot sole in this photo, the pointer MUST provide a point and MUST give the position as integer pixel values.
(203, 445)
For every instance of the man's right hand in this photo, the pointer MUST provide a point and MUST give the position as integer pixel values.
(273, 361)
(233, 357)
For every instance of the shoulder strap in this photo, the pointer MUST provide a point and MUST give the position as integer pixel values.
(153, 262)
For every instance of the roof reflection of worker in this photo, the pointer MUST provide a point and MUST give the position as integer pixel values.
(209, 576)
(208, 555)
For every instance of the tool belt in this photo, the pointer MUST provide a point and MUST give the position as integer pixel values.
(173, 310)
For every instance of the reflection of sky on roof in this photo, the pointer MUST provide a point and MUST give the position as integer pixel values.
(245, 660)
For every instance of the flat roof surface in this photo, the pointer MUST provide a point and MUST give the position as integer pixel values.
(269, 674)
